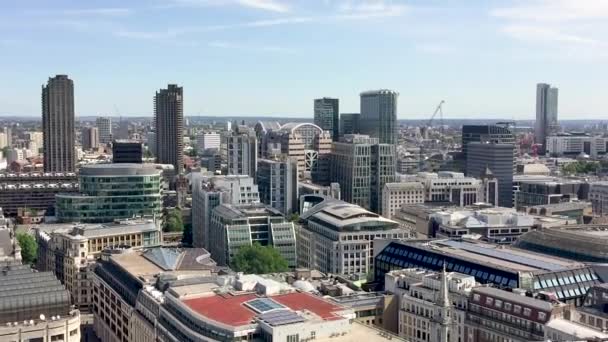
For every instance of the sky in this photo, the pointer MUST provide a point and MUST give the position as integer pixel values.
(273, 57)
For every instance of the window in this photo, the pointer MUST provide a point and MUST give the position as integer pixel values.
(508, 306)
(489, 300)
(517, 309)
(542, 316)
(476, 297)
(498, 303)
(527, 311)
(73, 332)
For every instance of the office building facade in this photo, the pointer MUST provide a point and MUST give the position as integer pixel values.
(277, 181)
(362, 166)
(485, 133)
(327, 116)
(207, 140)
(58, 125)
(112, 191)
(169, 126)
(336, 237)
(235, 226)
(210, 192)
(69, 250)
(546, 113)
(379, 115)
(127, 151)
(498, 158)
(349, 123)
(394, 195)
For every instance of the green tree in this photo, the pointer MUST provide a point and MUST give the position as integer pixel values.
(259, 259)
(581, 167)
(293, 218)
(192, 152)
(173, 221)
(29, 247)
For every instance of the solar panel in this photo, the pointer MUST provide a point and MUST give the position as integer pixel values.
(262, 305)
(504, 255)
(281, 317)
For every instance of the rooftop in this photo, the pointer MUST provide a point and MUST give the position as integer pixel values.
(515, 298)
(93, 230)
(504, 257)
(342, 214)
(574, 329)
(234, 309)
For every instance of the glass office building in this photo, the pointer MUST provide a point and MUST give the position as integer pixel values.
(112, 191)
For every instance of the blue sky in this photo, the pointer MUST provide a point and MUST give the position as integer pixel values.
(273, 57)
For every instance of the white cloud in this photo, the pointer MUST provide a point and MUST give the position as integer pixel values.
(113, 11)
(249, 47)
(544, 34)
(371, 8)
(268, 5)
(265, 5)
(555, 10)
(559, 24)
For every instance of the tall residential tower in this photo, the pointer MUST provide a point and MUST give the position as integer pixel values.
(169, 126)
(546, 113)
(58, 125)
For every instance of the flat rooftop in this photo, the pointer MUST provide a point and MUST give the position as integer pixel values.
(510, 258)
(233, 310)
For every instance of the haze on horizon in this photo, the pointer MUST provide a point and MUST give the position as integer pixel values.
(273, 57)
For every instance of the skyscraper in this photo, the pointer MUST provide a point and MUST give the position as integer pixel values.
(546, 113)
(169, 127)
(379, 115)
(90, 138)
(349, 123)
(104, 126)
(498, 159)
(327, 116)
(58, 125)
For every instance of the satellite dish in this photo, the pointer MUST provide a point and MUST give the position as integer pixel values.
(42, 318)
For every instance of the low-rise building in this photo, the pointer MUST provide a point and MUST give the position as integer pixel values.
(235, 226)
(68, 250)
(573, 144)
(451, 187)
(394, 195)
(498, 225)
(598, 195)
(112, 191)
(34, 306)
(210, 192)
(175, 295)
(336, 237)
(500, 265)
(497, 315)
(542, 191)
(422, 298)
(35, 191)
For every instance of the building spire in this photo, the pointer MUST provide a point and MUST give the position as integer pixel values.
(444, 307)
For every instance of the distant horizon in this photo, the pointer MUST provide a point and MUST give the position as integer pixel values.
(277, 56)
(299, 118)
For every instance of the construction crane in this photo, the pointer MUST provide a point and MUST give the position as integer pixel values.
(439, 110)
(424, 129)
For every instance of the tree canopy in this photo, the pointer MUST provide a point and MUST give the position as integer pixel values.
(581, 167)
(173, 221)
(259, 259)
(187, 236)
(29, 247)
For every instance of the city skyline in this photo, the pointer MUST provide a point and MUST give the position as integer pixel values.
(244, 49)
